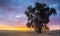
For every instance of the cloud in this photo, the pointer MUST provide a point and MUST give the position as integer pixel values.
(54, 5)
(18, 16)
(14, 5)
(12, 11)
(4, 2)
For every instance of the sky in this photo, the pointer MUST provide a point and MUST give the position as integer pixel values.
(12, 13)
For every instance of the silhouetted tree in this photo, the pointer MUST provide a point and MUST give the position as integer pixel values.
(39, 15)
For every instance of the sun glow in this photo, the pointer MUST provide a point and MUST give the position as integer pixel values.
(24, 28)
(6, 27)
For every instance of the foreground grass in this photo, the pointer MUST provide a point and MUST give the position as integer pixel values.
(28, 33)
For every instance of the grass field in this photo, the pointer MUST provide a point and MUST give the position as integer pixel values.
(28, 33)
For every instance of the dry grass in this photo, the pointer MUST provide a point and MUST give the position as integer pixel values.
(28, 33)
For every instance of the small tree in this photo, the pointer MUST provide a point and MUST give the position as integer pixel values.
(39, 15)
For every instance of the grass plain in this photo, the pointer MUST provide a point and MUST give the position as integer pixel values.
(28, 33)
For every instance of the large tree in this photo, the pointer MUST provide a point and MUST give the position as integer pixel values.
(39, 15)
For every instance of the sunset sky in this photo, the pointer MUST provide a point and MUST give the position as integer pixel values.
(12, 15)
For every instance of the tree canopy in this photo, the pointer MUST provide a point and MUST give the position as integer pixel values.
(39, 15)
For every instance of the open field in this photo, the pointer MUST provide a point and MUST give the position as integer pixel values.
(28, 33)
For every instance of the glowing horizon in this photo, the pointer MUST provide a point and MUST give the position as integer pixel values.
(6, 27)
(24, 28)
